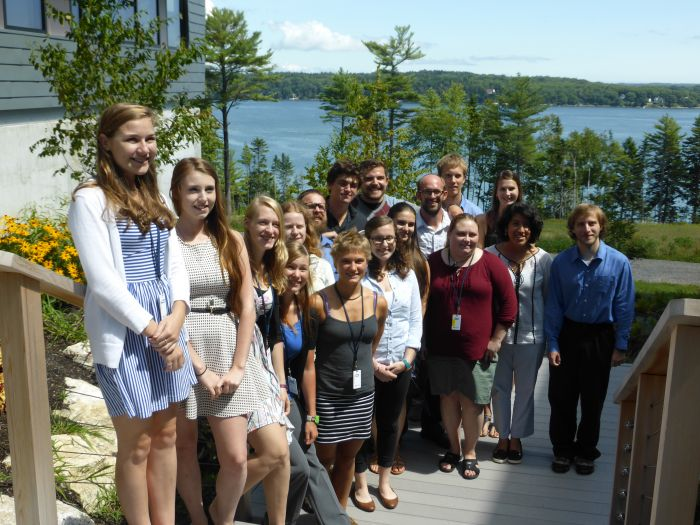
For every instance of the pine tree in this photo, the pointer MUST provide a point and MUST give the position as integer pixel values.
(664, 169)
(283, 171)
(691, 181)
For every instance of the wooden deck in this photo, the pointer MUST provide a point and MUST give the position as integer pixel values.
(526, 494)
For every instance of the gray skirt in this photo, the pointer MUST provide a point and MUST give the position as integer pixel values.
(472, 379)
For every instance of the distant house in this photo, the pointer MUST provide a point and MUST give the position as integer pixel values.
(28, 109)
(490, 91)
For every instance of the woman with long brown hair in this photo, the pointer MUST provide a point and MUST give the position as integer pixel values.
(220, 326)
(135, 305)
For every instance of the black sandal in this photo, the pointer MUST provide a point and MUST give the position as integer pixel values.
(470, 465)
(448, 462)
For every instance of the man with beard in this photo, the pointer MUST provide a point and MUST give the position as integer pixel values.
(432, 221)
(372, 200)
(315, 202)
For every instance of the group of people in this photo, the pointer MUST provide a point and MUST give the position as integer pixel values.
(298, 339)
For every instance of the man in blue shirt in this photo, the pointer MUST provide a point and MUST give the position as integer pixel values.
(588, 317)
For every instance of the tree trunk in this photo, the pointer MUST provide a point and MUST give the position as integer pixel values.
(227, 177)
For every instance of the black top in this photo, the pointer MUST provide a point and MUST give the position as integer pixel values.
(269, 321)
(351, 220)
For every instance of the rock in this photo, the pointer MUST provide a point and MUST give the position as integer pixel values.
(86, 462)
(80, 353)
(67, 515)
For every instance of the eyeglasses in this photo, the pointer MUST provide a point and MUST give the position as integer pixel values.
(314, 205)
(430, 193)
(378, 241)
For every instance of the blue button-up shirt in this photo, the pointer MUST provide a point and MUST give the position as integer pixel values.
(601, 292)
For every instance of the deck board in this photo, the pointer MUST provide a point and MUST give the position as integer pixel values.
(526, 494)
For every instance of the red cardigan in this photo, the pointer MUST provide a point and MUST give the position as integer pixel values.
(487, 298)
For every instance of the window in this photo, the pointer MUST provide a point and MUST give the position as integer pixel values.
(176, 14)
(24, 14)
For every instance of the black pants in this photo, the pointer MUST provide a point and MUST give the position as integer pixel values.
(430, 417)
(586, 351)
(389, 399)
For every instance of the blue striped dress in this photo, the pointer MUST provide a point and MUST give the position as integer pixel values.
(140, 386)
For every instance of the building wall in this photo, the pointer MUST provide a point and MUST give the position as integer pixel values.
(28, 111)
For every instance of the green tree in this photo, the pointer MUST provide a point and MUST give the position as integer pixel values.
(260, 179)
(691, 181)
(388, 57)
(283, 170)
(236, 70)
(628, 190)
(550, 170)
(108, 59)
(339, 98)
(664, 169)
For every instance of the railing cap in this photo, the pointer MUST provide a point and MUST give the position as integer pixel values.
(50, 282)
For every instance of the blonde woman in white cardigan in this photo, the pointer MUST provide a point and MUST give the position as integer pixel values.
(135, 305)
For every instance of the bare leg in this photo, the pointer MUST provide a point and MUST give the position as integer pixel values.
(271, 459)
(133, 447)
(450, 408)
(232, 452)
(343, 469)
(361, 488)
(384, 483)
(189, 478)
(471, 423)
(162, 466)
(326, 455)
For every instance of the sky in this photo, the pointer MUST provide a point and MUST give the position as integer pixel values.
(608, 41)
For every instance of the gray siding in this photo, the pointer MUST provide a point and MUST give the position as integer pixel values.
(22, 87)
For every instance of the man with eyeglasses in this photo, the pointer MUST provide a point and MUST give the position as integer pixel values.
(315, 202)
(343, 183)
(432, 220)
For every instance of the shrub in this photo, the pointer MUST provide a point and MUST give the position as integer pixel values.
(43, 241)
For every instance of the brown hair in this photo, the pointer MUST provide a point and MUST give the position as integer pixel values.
(396, 262)
(585, 209)
(150, 207)
(312, 241)
(452, 160)
(343, 168)
(460, 218)
(216, 225)
(368, 165)
(296, 250)
(492, 214)
(350, 241)
(411, 252)
(273, 260)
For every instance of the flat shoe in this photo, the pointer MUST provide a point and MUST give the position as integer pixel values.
(366, 506)
(561, 464)
(500, 455)
(583, 466)
(388, 503)
(515, 456)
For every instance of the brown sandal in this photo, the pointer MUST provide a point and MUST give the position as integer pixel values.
(399, 466)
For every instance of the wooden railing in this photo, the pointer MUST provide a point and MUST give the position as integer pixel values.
(658, 453)
(24, 367)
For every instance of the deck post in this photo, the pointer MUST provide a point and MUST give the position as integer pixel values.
(678, 465)
(24, 364)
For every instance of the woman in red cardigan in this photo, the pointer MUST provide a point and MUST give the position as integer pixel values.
(472, 303)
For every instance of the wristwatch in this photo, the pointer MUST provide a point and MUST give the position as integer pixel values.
(313, 419)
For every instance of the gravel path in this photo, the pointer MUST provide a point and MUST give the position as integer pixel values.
(657, 271)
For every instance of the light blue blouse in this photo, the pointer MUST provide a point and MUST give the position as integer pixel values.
(404, 323)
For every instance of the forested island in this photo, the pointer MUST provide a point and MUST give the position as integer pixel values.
(553, 90)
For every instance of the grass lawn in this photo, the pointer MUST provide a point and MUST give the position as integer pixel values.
(673, 242)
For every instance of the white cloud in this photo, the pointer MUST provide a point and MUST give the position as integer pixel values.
(293, 68)
(313, 35)
(209, 5)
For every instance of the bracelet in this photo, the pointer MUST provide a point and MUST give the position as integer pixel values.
(407, 364)
(284, 385)
(202, 372)
(313, 419)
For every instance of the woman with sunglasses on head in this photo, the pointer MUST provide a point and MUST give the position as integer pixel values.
(220, 326)
(135, 305)
(472, 303)
(389, 275)
(298, 334)
(523, 347)
(350, 324)
(299, 227)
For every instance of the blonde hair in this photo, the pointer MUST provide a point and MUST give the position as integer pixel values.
(296, 250)
(311, 243)
(275, 259)
(149, 207)
(584, 209)
(350, 241)
(452, 160)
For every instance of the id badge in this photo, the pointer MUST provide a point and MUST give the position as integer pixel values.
(292, 386)
(356, 379)
(163, 307)
(456, 322)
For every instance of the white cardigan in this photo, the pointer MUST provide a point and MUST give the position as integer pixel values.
(109, 307)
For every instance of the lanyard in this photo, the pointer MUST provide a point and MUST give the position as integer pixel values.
(266, 315)
(155, 252)
(459, 285)
(354, 343)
